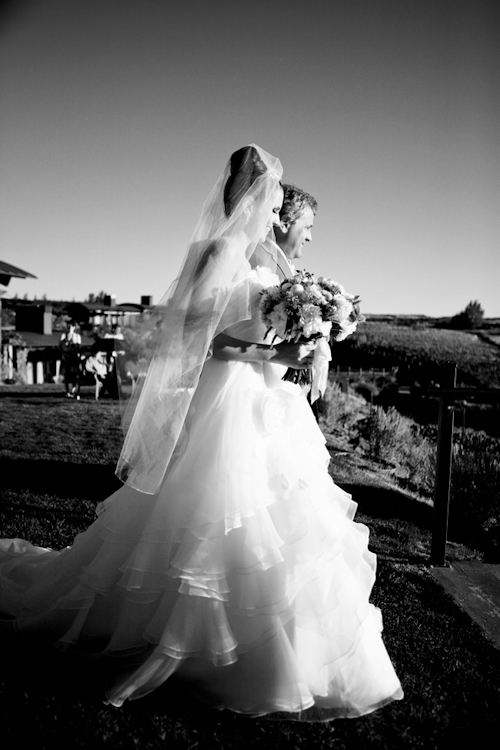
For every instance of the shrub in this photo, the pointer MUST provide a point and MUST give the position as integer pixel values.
(471, 317)
(475, 488)
(338, 410)
(386, 431)
(368, 390)
(396, 439)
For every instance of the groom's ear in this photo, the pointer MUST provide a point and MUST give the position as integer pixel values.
(284, 226)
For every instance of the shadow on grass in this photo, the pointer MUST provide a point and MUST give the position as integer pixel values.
(395, 519)
(47, 394)
(400, 526)
(72, 676)
(385, 502)
(14, 396)
(50, 696)
(88, 480)
(61, 478)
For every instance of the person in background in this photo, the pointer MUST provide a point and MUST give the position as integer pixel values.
(70, 344)
(112, 382)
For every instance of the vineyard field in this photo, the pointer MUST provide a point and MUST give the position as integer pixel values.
(421, 352)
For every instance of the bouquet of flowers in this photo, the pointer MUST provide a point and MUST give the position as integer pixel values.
(303, 308)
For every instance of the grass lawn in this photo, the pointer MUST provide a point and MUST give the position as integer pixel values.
(56, 463)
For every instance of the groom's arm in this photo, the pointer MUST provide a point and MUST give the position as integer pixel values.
(289, 354)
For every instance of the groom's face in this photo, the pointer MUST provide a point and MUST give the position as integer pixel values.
(292, 237)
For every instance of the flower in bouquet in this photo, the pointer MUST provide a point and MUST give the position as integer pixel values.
(344, 313)
(303, 308)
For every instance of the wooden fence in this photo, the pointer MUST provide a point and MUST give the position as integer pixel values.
(337, 373)
(447, 395)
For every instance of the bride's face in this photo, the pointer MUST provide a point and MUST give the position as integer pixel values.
(274, 214)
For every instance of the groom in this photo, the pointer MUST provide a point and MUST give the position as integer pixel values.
(296, 222)
(295, 229)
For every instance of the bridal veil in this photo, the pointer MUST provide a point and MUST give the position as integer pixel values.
(198, 305)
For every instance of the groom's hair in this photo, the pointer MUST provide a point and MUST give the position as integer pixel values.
(294, 202)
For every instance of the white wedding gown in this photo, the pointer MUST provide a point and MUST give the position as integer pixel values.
(245, 574)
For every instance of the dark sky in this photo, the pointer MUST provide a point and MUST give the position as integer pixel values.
(118, 115)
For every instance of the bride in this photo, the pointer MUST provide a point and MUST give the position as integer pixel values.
(228, 558)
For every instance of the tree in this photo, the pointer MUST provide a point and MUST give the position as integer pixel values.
(471, 317)
(97, 298)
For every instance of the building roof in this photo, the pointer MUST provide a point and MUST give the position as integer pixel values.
(43, 340)
(6, 269)
(100, 307)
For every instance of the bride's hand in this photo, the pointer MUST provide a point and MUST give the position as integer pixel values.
(297, 356)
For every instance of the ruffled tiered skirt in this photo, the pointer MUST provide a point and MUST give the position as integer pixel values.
(245, 575)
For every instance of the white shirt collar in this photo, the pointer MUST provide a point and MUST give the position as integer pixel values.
(284, 265)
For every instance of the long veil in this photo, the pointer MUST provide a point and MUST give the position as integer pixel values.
(199, 304)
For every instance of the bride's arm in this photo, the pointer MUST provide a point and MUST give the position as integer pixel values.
(297, 356)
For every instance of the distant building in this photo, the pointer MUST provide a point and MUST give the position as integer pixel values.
(8, 272)
(30, 352)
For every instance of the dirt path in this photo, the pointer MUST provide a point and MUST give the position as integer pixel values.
(475, 587)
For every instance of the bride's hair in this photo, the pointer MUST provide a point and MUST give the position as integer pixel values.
(246, 165)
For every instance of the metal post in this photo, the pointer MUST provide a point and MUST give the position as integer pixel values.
(443, 473)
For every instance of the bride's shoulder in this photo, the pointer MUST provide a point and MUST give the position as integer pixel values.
(265, 275)
(254, 280)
